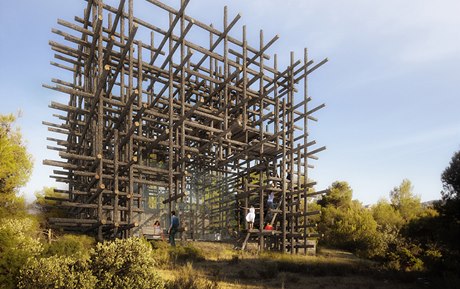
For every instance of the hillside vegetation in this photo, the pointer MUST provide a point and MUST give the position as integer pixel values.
(396, 243)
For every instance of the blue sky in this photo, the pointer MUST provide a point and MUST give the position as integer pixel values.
(391, 86)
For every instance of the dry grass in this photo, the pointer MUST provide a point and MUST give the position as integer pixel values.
(216, 251)
(330, 269)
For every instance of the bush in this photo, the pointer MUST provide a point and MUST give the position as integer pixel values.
(70, 245)
(405, 257)
(351, 228)
(186, 278)
(56, 272)
(125, 264)
(432, 257)
(184, 254)
(18, 243)
(119, 264)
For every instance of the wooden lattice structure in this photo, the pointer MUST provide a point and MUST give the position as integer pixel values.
(210, 128)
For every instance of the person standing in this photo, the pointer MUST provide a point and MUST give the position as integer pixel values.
(271, 201)
(250, 217)
(270, 206)
(173, 228)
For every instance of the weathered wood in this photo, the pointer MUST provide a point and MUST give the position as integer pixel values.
(210, 128)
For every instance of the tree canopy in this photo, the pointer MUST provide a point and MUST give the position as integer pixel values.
(386, 215)
(15, 166)
(340, 194)
(15, 162)
(450, 207)
(451, 178)
(405, 201)
(345, 223)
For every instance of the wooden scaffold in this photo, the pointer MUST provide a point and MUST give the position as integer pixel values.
(155, 120)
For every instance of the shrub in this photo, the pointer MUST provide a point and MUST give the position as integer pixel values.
(18, 243)
(405, 257)
(351, 228)
(56, 272)
(183, 254)
(433, 258)
(124, 264)
(70, 245)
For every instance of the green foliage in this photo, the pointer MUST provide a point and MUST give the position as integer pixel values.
(124, 263)
(186, 278)
(451, 179)
(405, 257)
(405, 201)
(389, 223)
(184, 254)
(351, 228)
(340, 194)
(15, 168)
(70, 245)
(434, 231)
(12, 205)
(432, 257)
(15, 162)
(47, 207)
(402, 234)
(56, 272)
(386, 216)
(18, 242)
(438, 238)
(347, 224)
(450, 208)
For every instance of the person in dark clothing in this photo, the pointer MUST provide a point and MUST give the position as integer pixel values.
(173, 228)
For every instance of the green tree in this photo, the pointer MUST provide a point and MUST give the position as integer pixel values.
(451, 184)
(15, 166)
(386, 216)
(15, 162)
(389, 223)
(346, 224)
(450, 206)
(405, 201)
(12, 205)
(451, 178)
(340, 194)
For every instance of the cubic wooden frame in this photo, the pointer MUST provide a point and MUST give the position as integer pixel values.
(218, 128)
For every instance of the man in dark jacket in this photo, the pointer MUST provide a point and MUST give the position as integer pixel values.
(173, 228)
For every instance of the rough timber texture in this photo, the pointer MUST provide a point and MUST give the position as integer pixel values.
(184, 117)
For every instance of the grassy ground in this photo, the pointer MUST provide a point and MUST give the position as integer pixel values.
(224, 267)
